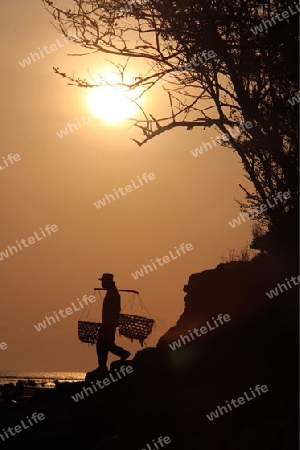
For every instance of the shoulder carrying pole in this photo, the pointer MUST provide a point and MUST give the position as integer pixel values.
(121, 290)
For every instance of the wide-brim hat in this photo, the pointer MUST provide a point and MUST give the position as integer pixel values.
(107, 277)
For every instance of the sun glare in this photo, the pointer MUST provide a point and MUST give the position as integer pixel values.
(111, 102)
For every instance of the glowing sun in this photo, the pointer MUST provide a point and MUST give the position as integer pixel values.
(111, 102)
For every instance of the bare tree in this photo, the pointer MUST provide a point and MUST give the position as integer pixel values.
(219, 73)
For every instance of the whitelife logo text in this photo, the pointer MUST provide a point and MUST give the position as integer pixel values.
(258, 211)
(236, 403)
(68, 311)
(199, 332)
(162, 261)
(218, 140)
(33, 57)
(274, 292)
(275, 18)
(86, 391)
(36, 417)
(11, 158)
(161, 441)
(30, 241)
(129, 188)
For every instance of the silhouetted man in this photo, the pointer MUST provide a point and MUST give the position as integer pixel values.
(110, 316)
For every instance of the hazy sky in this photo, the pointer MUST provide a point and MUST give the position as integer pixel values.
(56, 181)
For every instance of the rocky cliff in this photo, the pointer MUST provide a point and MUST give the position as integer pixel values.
(171, 392)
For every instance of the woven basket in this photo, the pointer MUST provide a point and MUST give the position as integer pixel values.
(135, 327)
(132, 327)
(88, 331)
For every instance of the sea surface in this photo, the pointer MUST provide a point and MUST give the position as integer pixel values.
(41, 379)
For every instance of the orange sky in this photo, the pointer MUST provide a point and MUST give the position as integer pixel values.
(57, 180)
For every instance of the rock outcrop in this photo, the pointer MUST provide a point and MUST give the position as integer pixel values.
(171, 392)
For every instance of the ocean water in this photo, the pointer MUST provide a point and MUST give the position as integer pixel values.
(42, 379)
